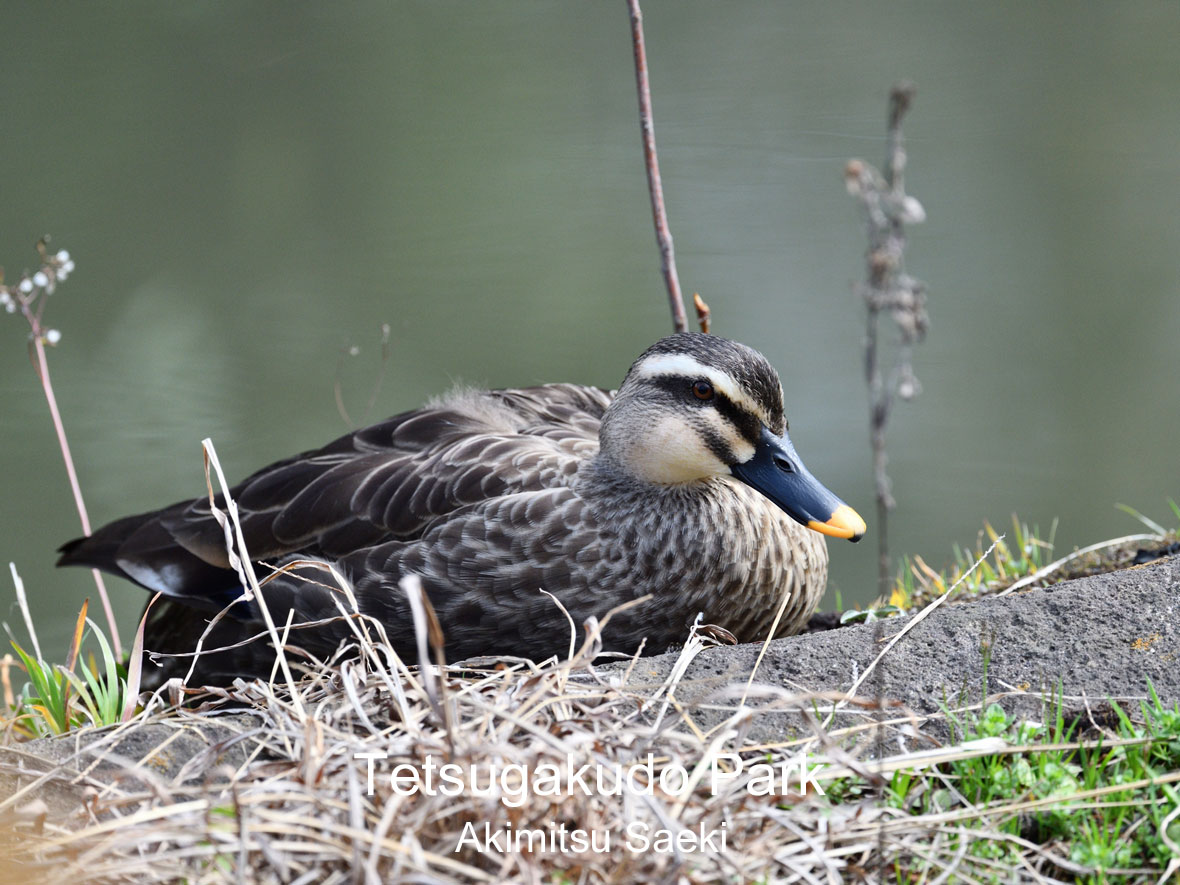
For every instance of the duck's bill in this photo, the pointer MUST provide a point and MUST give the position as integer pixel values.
(776, 471)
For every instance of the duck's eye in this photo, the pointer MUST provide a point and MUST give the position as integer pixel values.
(702, 390)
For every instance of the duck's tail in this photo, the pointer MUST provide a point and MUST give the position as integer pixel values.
(140, 549)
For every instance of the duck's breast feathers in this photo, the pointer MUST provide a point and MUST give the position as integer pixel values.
(394, 478)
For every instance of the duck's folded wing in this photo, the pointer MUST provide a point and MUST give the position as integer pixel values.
(391, 480)
(387, 481)
(483, 570)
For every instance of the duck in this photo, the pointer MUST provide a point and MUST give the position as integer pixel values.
(523, 512)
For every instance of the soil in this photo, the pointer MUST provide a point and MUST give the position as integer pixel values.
(1091, 640)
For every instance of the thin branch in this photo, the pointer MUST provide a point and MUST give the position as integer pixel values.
(887, 209)
(655, 187)
(30, 297)
(703, 312)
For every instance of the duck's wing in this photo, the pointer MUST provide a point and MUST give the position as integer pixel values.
(387, 481)
(483, 569)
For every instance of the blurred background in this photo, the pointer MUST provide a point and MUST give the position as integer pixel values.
(250, 190)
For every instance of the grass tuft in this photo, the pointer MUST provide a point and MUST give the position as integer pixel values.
(55, 699)
(1025, 561)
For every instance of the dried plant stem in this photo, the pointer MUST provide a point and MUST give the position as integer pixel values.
(1077, 554)
(704, 315)
(878, 417)
(41, 365)
(887, 209)
(239, 557)
(655, 187)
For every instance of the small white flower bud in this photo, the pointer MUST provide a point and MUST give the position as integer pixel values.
(912, 212)
(26, 286)
(52, 336)
(63, 256)
(40, 279)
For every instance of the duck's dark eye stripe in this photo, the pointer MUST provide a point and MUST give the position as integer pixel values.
(747, 424)
(677, 385)
(697, 391)
(718, 446)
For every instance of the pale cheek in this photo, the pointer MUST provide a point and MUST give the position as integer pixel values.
(742, 450)
(669, 453)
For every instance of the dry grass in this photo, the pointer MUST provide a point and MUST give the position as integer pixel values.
(298, 808)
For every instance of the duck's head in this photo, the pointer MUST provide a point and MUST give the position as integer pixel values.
(697, 406)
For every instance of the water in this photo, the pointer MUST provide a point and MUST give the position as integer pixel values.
(251, 189)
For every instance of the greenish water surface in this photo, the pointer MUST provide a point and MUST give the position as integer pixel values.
(249, 190)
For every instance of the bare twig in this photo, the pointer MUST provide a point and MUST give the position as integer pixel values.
(703, 312)
(659, 214)
(29, 297)
(887, 209)
(239, 556)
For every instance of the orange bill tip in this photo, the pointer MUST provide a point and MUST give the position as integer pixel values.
(843, 523)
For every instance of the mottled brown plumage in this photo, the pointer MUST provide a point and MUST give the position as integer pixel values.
(491, 497)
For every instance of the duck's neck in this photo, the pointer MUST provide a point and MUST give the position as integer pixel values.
(608, 476)
(714, 546)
